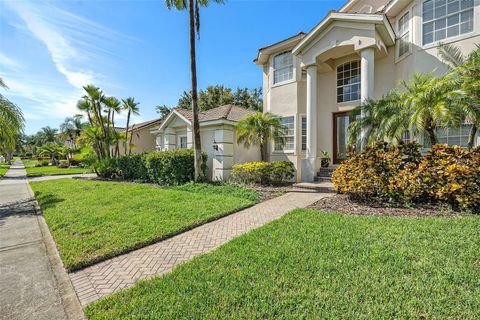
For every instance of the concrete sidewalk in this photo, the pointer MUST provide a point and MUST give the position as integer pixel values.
(32, 285)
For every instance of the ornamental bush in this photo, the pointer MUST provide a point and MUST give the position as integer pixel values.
(107, 168)
(63, 164)
(399, 174)
(173, 167)
(264, 173)
(133, 167)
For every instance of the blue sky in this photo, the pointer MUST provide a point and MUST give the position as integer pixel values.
(50, 49)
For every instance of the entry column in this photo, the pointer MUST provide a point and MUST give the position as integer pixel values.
(308, 166)
(367, 81)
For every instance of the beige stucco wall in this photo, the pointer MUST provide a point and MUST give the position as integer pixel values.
(289, 99)
(142, 141)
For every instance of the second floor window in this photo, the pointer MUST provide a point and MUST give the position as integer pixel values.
(348, 82)
(404, 35)
(446, 18)
(282, 67)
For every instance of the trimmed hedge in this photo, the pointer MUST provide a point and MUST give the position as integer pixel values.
(399, 174)
(264, 173)
(173, 167)
(133, 167)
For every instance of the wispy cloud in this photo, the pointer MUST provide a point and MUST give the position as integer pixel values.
(76, 46)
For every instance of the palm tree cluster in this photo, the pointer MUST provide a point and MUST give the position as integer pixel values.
(12, 123)
(101, 133)
(424, 104)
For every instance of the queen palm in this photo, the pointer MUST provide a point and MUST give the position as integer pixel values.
(465, 71)
(259, 128)
(193, 7)
(113, 106)
(131, 106)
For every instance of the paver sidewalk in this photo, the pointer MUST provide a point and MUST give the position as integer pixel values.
(123, 271)
(29, 288)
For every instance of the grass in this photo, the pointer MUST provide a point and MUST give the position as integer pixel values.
(29, 162)
(3, 169)
(94, 220)
(315, 265)
(53, 170)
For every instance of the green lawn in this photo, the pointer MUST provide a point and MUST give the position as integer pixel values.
(314, 265)
(29, 162)
(53, 170)
(3, 169)
(94, 220)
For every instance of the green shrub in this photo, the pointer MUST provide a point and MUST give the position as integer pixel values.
(107, 168)
(446, 174)
(63, 164)
(77, 159)
(172, 167)
(264, 173)
(42, 163)
(133, 167)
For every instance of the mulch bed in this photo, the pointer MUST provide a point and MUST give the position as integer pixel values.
(342, 203)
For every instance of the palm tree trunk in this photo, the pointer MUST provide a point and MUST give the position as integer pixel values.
(126, 130)
(263, 152)
(432, 137)
(130, 142)
(197, 147)
(471, 136)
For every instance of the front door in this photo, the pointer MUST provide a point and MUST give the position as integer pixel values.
(341, 121)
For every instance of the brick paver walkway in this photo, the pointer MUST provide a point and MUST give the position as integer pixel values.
(123, 271)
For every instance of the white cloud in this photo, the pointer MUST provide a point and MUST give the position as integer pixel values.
(75, 45)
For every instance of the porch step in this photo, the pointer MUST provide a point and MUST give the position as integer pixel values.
(324, 187)
(326, 172)
(322, 179)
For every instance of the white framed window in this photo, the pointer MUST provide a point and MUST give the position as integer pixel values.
(282, 67)
(348, 81)
(183, 142)
(304, 132)
(444, 19)
(289, 145)
(404, 34)
(451, 136)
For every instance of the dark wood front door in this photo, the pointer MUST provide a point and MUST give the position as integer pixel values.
(341, 121)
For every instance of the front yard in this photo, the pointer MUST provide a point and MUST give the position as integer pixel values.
(53, 170)
(93, 220)
(316, 265)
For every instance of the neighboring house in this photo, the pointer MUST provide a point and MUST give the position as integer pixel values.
(217, 134)
(142, 138)
(312, 80)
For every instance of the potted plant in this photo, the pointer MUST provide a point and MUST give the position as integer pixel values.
(325, 159)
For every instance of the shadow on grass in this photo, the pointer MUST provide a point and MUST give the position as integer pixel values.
(47, 200)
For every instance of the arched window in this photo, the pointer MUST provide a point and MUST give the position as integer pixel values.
(348, 82)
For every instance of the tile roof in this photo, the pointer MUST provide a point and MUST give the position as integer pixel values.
(226, 112)
(139, 125)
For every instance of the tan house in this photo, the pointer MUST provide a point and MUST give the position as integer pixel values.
(217, 134)
(360, 52)
(142, 138)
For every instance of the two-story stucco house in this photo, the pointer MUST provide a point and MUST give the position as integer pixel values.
(360, 52)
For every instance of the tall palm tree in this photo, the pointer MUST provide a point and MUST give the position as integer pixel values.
(113, 105)
(48, 134)
(193, 7)
(259, 128)
(465, 70)
(131, 106)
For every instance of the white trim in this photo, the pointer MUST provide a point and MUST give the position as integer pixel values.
(361, 18)
(410, 34)
(336, 81)
(271, 71)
